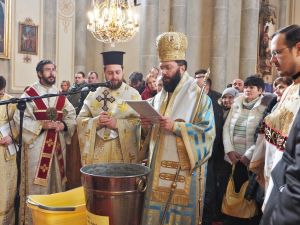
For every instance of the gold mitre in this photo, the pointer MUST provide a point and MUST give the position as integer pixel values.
(171, 46)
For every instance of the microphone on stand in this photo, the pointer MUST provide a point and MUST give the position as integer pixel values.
(94, 86)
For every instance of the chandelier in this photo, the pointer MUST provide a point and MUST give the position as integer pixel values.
(112, 21)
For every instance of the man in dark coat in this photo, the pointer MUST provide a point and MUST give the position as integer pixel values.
(217, 168)
(283, 205)
(287, 172)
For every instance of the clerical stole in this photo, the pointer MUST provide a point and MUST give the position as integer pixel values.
(188, 145)
(51, 144)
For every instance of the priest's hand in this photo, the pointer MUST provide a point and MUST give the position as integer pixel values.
(53, 125)
(48, 125)
(105, 120)
(6, 141)
(59, 126)
(145, 122)
(166, 123)
(234, 156)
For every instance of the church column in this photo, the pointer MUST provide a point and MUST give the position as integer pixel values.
(282, 20)
(148, 32)
(178, 17)
(219, 44)
(249, 31)
(80, 35)
(233, 42)
(194, 32)
(49, 29)
(65, 37)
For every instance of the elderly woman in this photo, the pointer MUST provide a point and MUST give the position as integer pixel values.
(151, 88)
(238, 133)
(227, 99)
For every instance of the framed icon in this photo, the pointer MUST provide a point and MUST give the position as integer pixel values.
(28, 38)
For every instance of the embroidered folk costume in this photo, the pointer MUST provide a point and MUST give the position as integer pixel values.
(43, 158)
(8, 167)
(277, 128)
(187, 146)
(102, 144)
(271, 141)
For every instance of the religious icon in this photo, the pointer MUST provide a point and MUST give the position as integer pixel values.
(4, 28)
(28, 37)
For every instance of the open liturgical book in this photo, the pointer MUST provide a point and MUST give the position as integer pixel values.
(144, 109)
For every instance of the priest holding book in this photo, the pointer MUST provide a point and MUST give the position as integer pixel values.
(180, 143)
(108, 129)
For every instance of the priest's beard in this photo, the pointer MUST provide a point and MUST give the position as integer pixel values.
(116, 85)
(171, 83)
(48, 81)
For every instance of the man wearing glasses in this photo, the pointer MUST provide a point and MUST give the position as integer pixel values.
(285, 56)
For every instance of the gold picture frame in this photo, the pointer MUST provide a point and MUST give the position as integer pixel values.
(5, 14)
(28, 37)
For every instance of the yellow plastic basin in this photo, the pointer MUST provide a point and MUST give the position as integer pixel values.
(65, 208)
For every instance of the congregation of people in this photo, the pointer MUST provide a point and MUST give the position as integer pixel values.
(205, 143)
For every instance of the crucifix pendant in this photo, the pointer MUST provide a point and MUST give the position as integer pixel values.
(105, 99)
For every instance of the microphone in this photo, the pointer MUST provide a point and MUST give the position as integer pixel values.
(107, 84)
(92, 87)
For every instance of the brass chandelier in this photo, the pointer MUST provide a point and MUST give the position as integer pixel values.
(112, 21)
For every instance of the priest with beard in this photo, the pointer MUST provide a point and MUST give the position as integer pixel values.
(109, 129)
(48, 126)
(179, 143)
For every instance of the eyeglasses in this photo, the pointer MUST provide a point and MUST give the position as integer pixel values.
(277, 51)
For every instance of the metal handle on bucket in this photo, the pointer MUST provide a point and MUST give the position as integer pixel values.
(142, 184)
(49, 208)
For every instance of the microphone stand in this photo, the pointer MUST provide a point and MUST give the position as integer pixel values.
(21, 106)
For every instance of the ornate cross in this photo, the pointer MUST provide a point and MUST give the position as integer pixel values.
(44, 168)
(50, 142)
(105, 99)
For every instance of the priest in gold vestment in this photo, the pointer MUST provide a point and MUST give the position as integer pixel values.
(8, 167)
(108, 129)
(49, 124)
(179, 143)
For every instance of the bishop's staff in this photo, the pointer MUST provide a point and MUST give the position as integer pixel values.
(204, 161)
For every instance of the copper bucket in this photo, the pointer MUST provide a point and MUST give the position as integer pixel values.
(114, 193)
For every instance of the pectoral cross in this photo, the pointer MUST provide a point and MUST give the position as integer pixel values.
(105, 99)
